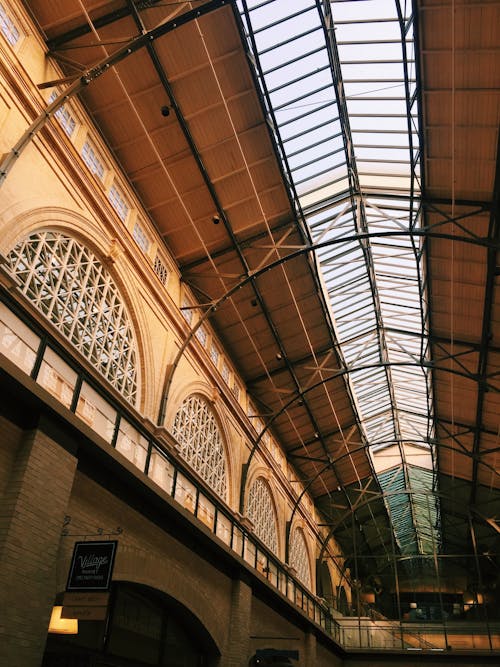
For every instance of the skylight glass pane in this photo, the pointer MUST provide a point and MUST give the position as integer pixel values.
(371, 265)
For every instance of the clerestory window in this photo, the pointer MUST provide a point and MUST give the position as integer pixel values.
(69, 285)
(260, 510)
(299, 558)
(201, 444)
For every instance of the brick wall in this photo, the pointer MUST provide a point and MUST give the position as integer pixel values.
(32, 513)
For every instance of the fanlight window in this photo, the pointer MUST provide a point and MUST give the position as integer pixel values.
(260, 510)
(200, 440)
(69, 285)
(299, 558)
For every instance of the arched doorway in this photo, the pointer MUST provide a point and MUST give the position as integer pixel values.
(144, 628)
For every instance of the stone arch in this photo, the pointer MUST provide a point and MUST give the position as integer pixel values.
(300, 555)
(260, 501)
(107, 251)
(202, 398)
(143, 567)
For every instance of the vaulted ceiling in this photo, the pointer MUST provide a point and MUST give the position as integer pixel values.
(327, 180)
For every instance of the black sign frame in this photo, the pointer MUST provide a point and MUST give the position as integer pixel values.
(92, 566)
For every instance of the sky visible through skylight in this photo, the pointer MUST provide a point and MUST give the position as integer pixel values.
(342, 94)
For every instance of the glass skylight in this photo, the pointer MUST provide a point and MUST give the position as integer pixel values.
(339, 81)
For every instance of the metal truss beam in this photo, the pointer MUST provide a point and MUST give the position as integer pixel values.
(95, 72)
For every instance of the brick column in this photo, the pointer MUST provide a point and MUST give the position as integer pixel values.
(31, 519)
(238, 642)
(310, 649)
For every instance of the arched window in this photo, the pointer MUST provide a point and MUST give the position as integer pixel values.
(200, 440)
(299, 558)
(69, 285)
(260, 510)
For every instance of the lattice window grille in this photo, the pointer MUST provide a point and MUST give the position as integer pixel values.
(198, 434)
(92, 160)
(214, 355)
(141, 237)
(160, 269)
(8, 27)
(225, 372)
(235, 390)
(201, 335)
(260, 511)
(69, 285)
(118, 202)
(299, 558)
(64, 117)
(187, 311)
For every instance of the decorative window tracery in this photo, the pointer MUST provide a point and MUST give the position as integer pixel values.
(160, 269)
(140, 236)
(118, 202)
(8, 27)
(299, 557)
(200, 439)
(93, 160)
(64, 116)
(260, 510)
(69, 285)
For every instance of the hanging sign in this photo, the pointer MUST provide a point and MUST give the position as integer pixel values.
(92, 566)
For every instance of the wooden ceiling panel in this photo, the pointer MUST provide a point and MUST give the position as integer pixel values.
(234, 79)
(448, 258)
(266, 175)
(223, 159)
(154, 15)
(470, 72)
(199, 203)
(126, 126)
(246, 112)
(179, 59)
(466, 357)
(186, 177)
(59, 16)
(462, 329)
(491, 408)
(477, 143)
(256, 143)
(474, 178)
(156, 191)
(104, 94)
(138, 157)
(478, 110)
(275, 204)
(197, 93)
(137, 73)
(210, 128)
(457, 393)
(216, 24)
(455, 464)
(246, 217)
(234, 188)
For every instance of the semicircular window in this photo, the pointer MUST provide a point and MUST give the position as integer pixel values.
(200, 439)
(69, 285)
(261, 512)
(299, 558)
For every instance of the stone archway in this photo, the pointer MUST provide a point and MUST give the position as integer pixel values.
(144, 627)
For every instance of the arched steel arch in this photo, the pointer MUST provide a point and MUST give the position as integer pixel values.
(469, 511)
(304, 250)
